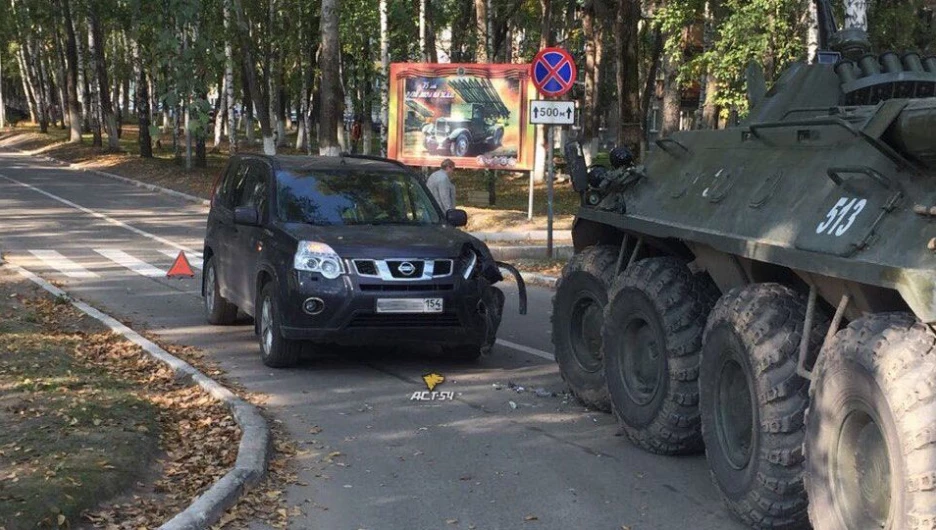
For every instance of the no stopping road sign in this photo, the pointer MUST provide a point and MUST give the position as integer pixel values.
(553, 72)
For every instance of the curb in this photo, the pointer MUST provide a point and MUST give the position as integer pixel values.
(503, 253)
(255, 442)
(125, 180)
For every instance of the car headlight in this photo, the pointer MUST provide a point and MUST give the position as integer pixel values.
(312, 256)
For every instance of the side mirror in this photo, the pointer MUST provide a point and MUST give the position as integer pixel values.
(457, 218)
(575, 159)
(246, 215)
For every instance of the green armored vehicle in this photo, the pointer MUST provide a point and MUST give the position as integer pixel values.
(766, 293)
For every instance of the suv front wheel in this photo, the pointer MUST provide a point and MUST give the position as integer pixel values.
(275, 351)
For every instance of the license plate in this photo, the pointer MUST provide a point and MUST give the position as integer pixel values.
(409, 305)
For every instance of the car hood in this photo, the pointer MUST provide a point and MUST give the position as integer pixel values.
(385, 241)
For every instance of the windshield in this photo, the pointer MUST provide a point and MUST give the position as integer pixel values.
(352, 198)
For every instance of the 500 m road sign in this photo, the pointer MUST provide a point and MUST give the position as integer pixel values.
(545, 112)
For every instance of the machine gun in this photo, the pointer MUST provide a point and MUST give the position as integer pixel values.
(597, 183)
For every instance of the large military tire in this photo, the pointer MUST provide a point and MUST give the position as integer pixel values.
(578, 309)
(870, 432)
(753, 402)
(651, 339)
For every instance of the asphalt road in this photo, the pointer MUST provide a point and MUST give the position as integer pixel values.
(492, 458)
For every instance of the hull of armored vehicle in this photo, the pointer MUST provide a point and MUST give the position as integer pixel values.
(821, 194)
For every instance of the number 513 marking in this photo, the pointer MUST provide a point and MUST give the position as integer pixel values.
(842, 216)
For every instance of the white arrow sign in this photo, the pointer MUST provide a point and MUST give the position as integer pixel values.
(546, 112)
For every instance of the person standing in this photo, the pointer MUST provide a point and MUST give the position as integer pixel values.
(355, 135)
(441, 187)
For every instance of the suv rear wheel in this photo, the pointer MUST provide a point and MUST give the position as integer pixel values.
(275, 351)
(218, 310)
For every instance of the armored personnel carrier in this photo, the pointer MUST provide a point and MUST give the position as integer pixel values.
(766, 293)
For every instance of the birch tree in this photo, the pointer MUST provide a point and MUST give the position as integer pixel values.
(330, 114)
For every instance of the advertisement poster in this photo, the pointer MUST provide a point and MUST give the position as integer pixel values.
(475, 114)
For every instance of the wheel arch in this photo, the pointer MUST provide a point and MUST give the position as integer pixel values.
(265, 275)
(207, 254)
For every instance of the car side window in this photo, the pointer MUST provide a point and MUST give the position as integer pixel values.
(233, 186)
(254, 190)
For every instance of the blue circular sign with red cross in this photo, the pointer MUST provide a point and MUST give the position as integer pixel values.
(554, 71)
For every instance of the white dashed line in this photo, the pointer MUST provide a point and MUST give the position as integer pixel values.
(126, 260)
(62, 264)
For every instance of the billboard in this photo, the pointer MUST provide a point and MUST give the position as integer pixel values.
(475, 114)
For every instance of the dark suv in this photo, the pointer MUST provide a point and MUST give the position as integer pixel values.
(345, 250)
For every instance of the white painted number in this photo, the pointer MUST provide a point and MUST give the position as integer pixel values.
(847, 210)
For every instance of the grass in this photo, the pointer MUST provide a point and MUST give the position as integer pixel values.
(70, 436)
(165, 169)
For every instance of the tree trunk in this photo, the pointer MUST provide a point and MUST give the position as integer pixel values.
(481, 31)
(543, 148)
(45, 72)
(671, 98)
(856, 14)
(423, 51)
(30, 94)
(263, 109)
(35, 72)
(220, 118)
(709, 83)
(367, 122)
(142, 99)
(94, 88)
(71, 56)
(60, 75)
(590, 97)
(106, 108)
(385, 72)
(2, 104)
(275, 81)
(229, 78)
(627, 81)
(330, 115)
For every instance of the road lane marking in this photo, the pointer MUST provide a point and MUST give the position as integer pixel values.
(126, 260)
(56, 261)
(526, 349)
(195, 260)
(102, 216)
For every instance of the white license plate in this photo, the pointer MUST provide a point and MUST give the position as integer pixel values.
(409, 305)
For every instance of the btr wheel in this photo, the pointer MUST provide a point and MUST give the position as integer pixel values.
(651, 339)
(460, 145)
(218, 310)
(578, 310)
(753, 402)
(275, 351)
(869, 433)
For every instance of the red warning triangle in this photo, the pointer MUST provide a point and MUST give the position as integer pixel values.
(181, 268)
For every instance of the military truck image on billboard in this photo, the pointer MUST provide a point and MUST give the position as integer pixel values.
(766, 293)
(470, 129)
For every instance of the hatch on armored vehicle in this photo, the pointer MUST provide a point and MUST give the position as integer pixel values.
(766, 292)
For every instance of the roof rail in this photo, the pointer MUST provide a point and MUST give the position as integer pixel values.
(345, 154)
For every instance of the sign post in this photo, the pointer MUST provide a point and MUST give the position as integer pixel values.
(553, 72)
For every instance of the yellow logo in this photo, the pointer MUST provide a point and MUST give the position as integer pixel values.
(433, 380)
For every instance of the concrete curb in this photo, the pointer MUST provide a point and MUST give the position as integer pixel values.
(125, 180)
(523, 235)
(255, 443)
(504, 253)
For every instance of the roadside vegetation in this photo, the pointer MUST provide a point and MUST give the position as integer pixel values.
(96, 434)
